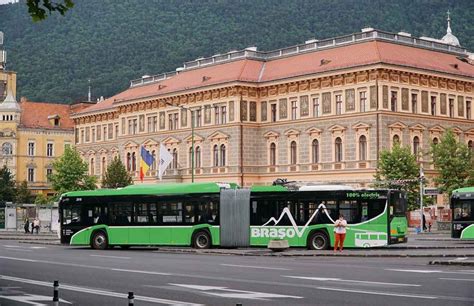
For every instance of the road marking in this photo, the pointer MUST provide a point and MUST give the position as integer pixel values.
(458, 279)
(255, 267)
(143, 272)
(18, 250)
(107, 256)
(415, 271)
(380, 293)
(235, 294)
(31, 299)
(19, 259)
(350, 281)
(23, 247)
(98, 292)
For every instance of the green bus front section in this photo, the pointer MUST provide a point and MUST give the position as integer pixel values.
(468, 232)
(145, 235)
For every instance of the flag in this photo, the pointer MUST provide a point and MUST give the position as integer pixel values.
(165, 160)
(145, 163)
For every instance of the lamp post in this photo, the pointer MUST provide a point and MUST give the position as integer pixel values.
(422, 178)
(192, 136)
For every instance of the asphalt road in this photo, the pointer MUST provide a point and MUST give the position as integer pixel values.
(89, 277)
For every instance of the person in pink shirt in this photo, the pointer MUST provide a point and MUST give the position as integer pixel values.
(340, 233)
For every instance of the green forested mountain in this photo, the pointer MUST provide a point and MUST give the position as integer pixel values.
(112, 41)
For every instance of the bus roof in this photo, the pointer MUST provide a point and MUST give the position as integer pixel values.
(463, 190)
(154, 189)
(276, 188)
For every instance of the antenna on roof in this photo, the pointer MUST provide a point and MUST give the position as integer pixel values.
(89, 94)
(3, 54)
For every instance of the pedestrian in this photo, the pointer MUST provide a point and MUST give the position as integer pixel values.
(27, 226)
(424, 223)
(429, 226)
(32, 227)
(340, 233)
(36, 225)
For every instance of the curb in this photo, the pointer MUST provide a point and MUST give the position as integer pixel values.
(52, 242)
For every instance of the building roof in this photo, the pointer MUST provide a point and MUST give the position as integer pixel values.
(258, 71)
(35, 115)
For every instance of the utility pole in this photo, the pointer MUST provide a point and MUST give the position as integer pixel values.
(422, 179)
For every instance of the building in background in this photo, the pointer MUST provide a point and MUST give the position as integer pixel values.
(320, 111)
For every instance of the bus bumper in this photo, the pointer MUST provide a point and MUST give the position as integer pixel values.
(394, 240)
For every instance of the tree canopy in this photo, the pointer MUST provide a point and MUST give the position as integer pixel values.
(116, 175)
(70, 173)
(7, 185)
(111, 42)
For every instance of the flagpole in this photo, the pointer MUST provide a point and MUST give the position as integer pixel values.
(192, 145)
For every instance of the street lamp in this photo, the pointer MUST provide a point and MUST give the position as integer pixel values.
(192, 136)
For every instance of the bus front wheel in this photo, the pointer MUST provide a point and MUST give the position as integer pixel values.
(202, 240)
(318, 241)
(99, 241)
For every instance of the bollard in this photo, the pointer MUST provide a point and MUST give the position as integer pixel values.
(56, 293)
(130, 298)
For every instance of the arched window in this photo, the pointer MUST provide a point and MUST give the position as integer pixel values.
(191, 157)
(7, 148)
(153, 165)
(315, 151)
(338, 149)
(215, 152)
(223, 155)
(92, 167)
(293, 152)
(134, 162)
(416, 146)
(103, 165)
(197, 157)
(129, 161)
(395, 140)
(470, 145)
(272, 154)
(175, 158)
(435, 141)
(362, 148)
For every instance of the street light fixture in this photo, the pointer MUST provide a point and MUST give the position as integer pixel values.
(192, 136)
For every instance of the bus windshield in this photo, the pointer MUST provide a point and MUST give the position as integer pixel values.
(462, 211)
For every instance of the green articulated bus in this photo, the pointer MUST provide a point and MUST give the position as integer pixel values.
(462, 207)
(211, 214)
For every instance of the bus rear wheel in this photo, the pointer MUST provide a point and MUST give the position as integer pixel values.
(318, 241)
(202, 240)
(99, 241)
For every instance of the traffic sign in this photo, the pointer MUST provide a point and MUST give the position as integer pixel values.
(431, 191)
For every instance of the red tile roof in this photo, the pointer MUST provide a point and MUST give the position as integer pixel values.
(249, 70)
(35, 115)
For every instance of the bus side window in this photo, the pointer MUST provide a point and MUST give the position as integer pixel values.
(189, 216)
(350, 210)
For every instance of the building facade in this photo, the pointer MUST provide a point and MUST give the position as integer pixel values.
(320, 111)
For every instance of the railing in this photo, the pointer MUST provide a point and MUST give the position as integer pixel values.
(306, 47)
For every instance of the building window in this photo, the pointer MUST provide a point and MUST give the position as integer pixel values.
(435, 141)
(132, 127)
(470, 145)
(215, 151)
(134, 162)
(416, 146)
(88, 134)
(316, 110)
(396, 140)
(363, 101)
(217, 115)
(272, 154)
(82, 136)
(433, 106)
(393, 101)
(153, 165)
(414, 103)
(31, 175)
(223, 159)
(468, 109)
(116, 131)
(76, 135)
(103, 165)
(338, 104)
(99, 135)
(294, 110)
(93, 135)
(223, 114)
(49, 150)
(129, 162)
(451, 108)
(315, 151)
(273, 109)
(92, 167)
(197, 157)
(293, 152)
(175, 158)
(198, 121)
(49, 172)
(31, 149)
(362, 148)
(104, 132)
(7, 148)
(338, 149)
(110, 131)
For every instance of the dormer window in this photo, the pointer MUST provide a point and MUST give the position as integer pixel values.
(56, 121)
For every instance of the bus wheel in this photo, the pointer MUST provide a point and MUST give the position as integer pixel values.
(202, 240)
(318, 241)
(99, 241)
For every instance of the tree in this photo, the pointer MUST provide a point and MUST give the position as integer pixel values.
(454, 162)
(23, 194)
(7, 185)
(116, 175)
(70, 173)
(395, 165)
(38, 8)
(42, 200)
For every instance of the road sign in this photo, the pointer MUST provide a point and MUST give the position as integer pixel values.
(431, 191)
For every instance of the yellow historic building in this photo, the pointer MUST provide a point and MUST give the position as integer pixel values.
(32, 134)
(319, 111)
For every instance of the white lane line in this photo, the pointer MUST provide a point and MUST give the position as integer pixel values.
(350, 281)
(414, 271)
(458, 279)
(17, 250)
(98, 292)
(19, 259)
(381, 293)
(143, 272)
(107, 256)
(23, 247)
(255, 267)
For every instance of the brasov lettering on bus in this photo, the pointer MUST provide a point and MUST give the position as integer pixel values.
(269, 232)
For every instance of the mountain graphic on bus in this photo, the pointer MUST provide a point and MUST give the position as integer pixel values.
(370, 239)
